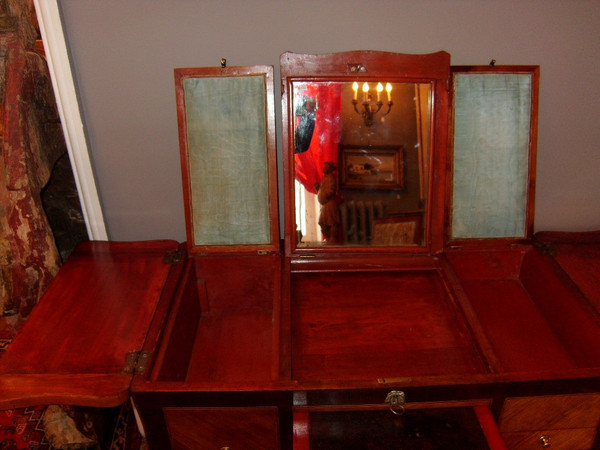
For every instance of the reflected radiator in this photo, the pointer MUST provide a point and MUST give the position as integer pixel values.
(357, 220)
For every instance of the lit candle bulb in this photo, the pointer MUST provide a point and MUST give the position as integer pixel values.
(355, 89)
(379, 91)
(365, 91)
(388, 88)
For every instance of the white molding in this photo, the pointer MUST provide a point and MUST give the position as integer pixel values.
(48, 16)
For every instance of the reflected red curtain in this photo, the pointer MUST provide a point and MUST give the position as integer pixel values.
(326, 136)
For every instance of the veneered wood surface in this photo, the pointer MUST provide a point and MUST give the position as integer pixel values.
(234, 346)
(579, 256)
(550, 412)
(532, 321)
(237, 333)
(569, 421)
(243, 428)
(375, 325)
(74, 346)
(565, 439)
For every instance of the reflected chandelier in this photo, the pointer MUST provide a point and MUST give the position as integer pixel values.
(370, 109)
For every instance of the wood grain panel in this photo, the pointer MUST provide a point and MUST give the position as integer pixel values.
(348, 326)
(550, 412)
(568, 439)
(216, 428)
(96, 311)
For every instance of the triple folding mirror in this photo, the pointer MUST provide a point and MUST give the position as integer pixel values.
(381, 151)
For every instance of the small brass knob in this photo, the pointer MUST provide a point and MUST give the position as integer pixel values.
(545, 441)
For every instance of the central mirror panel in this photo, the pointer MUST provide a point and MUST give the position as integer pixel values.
(361, 162)
(364, 157)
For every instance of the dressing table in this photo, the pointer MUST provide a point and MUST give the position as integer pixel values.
(411, 305)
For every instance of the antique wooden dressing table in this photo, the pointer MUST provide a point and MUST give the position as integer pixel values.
(408, 307)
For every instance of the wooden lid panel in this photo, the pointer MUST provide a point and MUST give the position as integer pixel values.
(229, 171)
(87, 328)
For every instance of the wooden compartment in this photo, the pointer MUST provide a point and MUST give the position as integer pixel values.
(230, 313)
(531, 319)
(578, 255)
(371, 325)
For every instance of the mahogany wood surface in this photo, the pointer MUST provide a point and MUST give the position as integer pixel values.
(238, 331)
(573, 321)
(243, 428)
(562, 439)
(578, 254)
(437, 428)
(234, 346)
(76, 341)
(550, 412)
(567, 421)
(532, 321)
(377, 325)
(173, 358)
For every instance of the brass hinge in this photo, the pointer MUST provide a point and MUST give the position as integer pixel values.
(136, 362)
(174, 257)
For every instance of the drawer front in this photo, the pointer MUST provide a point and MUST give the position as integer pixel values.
(218, 428)
(432, 428)
(557, 421)
(550, 412)
(565, 439)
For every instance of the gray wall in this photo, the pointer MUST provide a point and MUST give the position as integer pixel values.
(124, 53)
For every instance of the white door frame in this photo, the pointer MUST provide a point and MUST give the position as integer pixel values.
(48, 16)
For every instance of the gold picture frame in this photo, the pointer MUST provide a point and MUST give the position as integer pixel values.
(363, 167)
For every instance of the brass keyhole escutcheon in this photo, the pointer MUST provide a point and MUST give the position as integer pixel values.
(396, 400)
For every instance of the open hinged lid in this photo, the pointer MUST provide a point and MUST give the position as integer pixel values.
(82, 343)
(227, 142)
(492, 154)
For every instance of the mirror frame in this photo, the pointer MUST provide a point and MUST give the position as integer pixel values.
(265, 73)
(433, 68)
(533, 71)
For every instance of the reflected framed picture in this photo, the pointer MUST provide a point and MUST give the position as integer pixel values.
(364, 167)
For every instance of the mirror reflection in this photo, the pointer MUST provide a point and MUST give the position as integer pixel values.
(362, 156)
